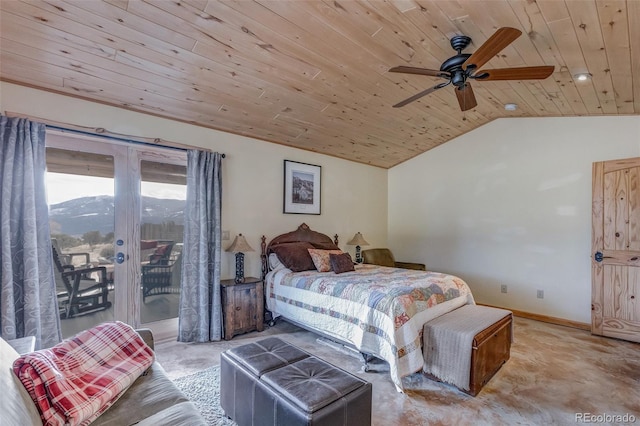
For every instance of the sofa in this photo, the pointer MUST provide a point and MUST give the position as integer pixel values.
(153, 399)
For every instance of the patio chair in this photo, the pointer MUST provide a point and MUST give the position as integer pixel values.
(77, 294)
(161, 278)
(67, 258)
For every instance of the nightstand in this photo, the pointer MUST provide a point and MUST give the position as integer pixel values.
(242, 306)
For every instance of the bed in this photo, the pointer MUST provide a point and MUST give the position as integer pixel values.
(378, 310)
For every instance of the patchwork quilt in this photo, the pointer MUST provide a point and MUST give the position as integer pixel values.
(379, 310)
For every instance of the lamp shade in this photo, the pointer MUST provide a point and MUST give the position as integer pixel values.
(358, 240)
(239, 245)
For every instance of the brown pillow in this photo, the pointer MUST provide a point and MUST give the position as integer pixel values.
(341, 263)
(295, 256)
(325, 246)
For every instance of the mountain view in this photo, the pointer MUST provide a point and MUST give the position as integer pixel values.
(80, 215)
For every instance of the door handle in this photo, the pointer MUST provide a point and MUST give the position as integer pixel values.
(598, 256)
(120, 257)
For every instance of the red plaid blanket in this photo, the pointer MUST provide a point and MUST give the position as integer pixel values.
(78, 379)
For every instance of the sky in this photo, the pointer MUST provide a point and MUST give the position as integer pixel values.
(63, 187)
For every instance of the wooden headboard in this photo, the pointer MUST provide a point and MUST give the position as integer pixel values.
(303, 233)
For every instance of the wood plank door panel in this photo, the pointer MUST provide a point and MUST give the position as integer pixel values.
(616, 249)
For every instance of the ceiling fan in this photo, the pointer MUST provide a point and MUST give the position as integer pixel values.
(462, 67)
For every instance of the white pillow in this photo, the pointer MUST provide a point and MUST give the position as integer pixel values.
(274, 262)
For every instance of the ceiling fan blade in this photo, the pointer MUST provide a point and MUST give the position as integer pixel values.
(490, 48)
(466, 98)
(419, 71)
(419, 95)
(522, 73)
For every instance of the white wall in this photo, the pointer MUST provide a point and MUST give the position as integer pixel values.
(510, 203)
(354, 196)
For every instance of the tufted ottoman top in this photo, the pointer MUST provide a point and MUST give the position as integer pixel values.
(266, 355)
(312, 383)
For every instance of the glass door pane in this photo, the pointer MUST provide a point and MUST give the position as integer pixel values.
(80, 193)
(163, 193)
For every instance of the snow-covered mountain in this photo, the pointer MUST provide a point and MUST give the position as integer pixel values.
(80, 215)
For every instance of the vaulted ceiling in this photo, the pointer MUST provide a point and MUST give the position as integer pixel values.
(314, 74)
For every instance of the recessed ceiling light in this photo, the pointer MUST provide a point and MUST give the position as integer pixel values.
(584, 76)
(510, 107)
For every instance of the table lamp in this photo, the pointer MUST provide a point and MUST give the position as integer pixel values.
(239, 247)
(358, 240)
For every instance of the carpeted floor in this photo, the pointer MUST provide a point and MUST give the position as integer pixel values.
(555, 375)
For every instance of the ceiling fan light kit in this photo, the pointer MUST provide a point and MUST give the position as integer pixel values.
(462, 67)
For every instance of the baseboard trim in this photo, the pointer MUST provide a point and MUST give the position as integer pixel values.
(544, 318)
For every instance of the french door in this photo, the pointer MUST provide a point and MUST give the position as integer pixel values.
(120, 206)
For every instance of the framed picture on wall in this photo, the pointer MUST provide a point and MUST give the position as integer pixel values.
(301, 188)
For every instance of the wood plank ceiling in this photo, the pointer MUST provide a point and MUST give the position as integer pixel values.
(314, 74)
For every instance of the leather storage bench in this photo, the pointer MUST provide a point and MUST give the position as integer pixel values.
(271, 382)
(482, 333)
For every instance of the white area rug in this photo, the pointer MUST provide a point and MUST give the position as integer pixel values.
(203, 389)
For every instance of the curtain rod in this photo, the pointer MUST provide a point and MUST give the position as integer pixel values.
(104, 133)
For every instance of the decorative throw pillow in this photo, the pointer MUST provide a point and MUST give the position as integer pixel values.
(321, 258)
(295, 256)
(341, 263)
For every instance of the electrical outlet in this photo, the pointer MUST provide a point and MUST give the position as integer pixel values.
(225, 235)
(503, 288)
(540, 294)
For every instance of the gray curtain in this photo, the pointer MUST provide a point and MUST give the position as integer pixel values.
(28, 304)
(200, 318)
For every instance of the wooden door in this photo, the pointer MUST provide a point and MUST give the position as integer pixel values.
(615, 304)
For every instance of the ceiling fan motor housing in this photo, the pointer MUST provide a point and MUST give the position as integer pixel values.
(453, 66)
(454, 63)
(458, 78)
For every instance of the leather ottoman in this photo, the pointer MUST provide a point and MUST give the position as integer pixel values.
(271, 382)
